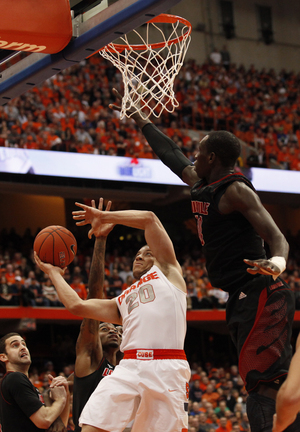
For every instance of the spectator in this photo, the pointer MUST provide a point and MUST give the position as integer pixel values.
(129, 281)
(245, 426)
(230, 400)
(203, 425)
(36, 288)
(225, 55)
(195, 410)
(79, 287)
(49, 292)
(211, 396)
(9, 295)
(115, 285)
(204, 382)
(125, 272)
(221, 409)
(215, 57)
(195, 391)
(223, 425)
(10, 275)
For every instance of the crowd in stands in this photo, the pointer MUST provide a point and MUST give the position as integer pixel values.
(70, 112)
(23, 284)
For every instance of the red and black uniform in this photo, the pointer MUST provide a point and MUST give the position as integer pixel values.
(84, 387)
(259, 311)
(19, 399)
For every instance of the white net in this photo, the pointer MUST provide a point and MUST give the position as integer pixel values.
(149, 69)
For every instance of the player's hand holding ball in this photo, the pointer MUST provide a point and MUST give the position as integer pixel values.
(54, 246)
(46, 267)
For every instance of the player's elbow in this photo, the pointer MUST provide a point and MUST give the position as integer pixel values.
(76, 307)
(289, 398)
(151, 218)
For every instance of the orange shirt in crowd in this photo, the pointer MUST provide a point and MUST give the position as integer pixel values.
(80, 289)
(211, 397)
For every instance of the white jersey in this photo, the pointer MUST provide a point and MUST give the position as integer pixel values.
(153, 311)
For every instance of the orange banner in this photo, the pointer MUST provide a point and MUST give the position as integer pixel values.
(35, 25)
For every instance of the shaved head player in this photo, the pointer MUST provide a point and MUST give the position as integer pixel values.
(232, 227)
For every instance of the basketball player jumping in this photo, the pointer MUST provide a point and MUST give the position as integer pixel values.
(150, 385)
(232, 224)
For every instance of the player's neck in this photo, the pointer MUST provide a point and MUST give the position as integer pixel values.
(111, 355)
(218, 174)
(17, 368)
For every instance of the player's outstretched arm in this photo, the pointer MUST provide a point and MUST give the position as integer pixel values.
(89, 350)
(288, 396)
(165, 148)
(155, 234)
(102, 310)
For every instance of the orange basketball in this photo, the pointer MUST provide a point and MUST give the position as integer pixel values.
(55, 245)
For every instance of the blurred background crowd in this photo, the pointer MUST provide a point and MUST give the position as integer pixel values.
(70, 112)
(23, 284)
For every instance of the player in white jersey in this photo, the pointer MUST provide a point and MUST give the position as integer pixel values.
(150, 385)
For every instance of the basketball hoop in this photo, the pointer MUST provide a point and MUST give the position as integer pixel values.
(149, 69)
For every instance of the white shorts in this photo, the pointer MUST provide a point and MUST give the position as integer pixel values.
(153, 392)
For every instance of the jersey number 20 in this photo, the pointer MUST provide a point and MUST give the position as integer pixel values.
(145, 294)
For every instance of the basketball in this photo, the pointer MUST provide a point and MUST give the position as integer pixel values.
(55, 245)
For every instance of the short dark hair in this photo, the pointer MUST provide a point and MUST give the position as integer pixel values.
(225, 145)
(3, 341)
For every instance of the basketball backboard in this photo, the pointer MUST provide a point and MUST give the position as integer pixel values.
(95, 24)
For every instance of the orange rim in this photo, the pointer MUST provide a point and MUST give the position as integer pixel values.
(162, 18)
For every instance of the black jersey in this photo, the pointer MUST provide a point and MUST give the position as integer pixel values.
(227, 239)
(19, 399)
(84, 387)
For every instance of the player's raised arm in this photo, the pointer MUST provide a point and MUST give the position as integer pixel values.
(155, 234)
(165, 148)
(89, 349)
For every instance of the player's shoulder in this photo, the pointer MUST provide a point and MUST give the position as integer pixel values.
(173, 272)
(14, 377)
(239, 187)
(237, 197)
